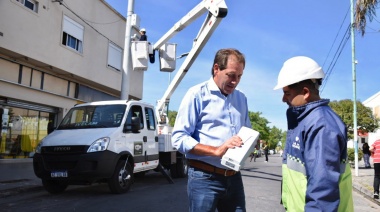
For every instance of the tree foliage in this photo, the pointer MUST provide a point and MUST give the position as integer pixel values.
(276, 138)
(271, 135)
(366, 121)
(364, 9)
(259, 124)
(172, 116)
(351, 154)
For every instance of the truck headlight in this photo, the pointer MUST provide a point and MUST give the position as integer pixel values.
(99, 145)
(38, 147)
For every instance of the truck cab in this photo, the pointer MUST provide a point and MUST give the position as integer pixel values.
(104, 141)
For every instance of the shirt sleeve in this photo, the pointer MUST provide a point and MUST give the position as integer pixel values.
(322, 162)
(185, 124)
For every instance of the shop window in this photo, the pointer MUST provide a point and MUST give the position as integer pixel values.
(23, 131)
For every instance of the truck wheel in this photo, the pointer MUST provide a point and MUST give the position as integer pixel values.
(181, 167)
(122, 178)
(54, 186)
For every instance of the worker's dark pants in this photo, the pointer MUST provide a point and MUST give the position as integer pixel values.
(376, 180)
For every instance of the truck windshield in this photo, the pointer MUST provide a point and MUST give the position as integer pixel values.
(93, 116)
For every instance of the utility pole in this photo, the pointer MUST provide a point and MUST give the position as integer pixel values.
(354, 87)
(127, 52)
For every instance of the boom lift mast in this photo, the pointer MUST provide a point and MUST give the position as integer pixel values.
(217, 9)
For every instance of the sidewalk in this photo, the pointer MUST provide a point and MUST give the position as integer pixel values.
(364, 181)
(17, 176)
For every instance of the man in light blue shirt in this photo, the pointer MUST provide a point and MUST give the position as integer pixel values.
(208, 121)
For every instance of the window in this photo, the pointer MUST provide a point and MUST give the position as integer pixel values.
(24, 129)
(31, 4)
(134, 111)
(72, 34)
(93, 116)
(150, 122)
(115, 55)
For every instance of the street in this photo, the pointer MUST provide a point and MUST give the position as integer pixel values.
(153, 193)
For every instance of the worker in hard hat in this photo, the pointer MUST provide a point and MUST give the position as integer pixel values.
(143, 36)
(315, 171)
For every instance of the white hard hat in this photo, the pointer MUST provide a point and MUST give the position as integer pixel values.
(142, 30)
(297, 69)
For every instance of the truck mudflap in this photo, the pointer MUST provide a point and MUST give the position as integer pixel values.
(84, 168)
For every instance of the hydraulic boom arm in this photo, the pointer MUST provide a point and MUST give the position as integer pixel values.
(217, 9)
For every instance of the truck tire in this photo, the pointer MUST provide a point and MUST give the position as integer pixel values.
(181, 167)
(122, 179)
(55, 186)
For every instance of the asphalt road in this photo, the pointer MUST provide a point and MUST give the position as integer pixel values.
(153, 193)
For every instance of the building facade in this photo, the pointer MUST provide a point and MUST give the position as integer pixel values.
(373, 102)
(55, 54)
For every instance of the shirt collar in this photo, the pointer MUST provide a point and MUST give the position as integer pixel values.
(212, 85)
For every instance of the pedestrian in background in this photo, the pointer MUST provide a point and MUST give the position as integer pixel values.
(366, 155)
(208, 121)
(316, 175)
(254, 155)
(375, 149)
(266, 151)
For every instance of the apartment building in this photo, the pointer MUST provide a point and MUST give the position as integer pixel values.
(53, 55)
(373, 102)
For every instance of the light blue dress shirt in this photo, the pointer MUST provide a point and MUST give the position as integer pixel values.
(208, 117)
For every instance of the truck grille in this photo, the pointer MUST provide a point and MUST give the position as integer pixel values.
(59, 150)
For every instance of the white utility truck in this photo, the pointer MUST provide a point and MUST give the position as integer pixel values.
(113, 141)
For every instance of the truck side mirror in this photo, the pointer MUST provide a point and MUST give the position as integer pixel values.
(136, 124)
(134, 127)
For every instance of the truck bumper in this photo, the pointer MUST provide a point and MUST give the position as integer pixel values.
(84, 168)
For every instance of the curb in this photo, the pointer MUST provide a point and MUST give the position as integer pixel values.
(13, 187)
(365, 192)
(19, 190)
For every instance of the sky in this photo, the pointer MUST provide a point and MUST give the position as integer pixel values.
(268, 33)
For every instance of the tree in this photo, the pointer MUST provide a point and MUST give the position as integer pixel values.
(259, 124)
(366, 121)
(364, 8)
(172, 116)
(275, 136)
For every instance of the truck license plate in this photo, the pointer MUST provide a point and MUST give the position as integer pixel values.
(58, 174)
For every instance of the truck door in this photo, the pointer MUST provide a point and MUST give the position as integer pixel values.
(152, 143)
(144, 146)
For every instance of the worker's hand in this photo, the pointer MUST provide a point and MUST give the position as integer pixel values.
(233, 142)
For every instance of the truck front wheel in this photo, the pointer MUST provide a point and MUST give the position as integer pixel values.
(122, 179)
(54, 186)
